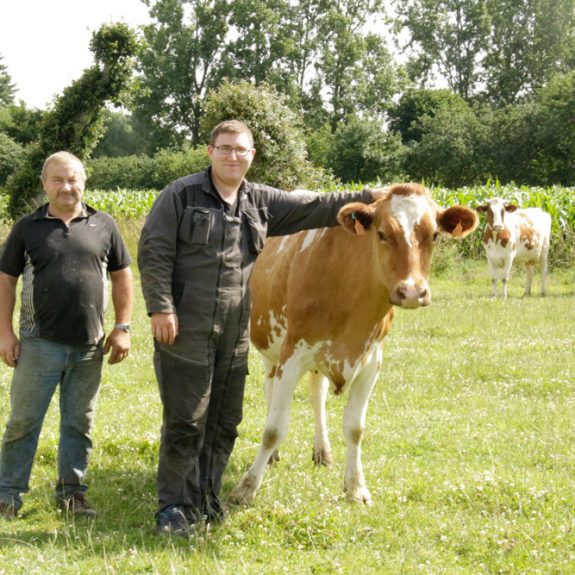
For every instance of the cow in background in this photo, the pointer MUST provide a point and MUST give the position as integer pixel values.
(323, 301)
(514, 234)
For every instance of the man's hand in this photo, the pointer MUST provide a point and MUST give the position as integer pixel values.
(165, 327)
(378, 193)
(119, 342)
(9, 348)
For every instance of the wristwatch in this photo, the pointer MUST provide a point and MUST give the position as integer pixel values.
(123, 326)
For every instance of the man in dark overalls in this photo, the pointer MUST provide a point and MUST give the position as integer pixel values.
(196, 252)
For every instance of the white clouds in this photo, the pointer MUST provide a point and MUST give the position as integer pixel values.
(45, 44)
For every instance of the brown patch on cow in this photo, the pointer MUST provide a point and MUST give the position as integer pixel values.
(272, 372)
(356, 436)
(503, 237)
(527, 235)
(270, 438)
(409, 190)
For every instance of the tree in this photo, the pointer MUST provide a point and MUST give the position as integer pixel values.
(316, 52)
(76, 121)
(415, 105)
(21, 123)
(7, 88)
(278, 133)
(364, 152)
(179, 64)
(448, 37)
(531, 41)
(262, 43)
(449, 150)
(353, 71)
(554, 162)
(121, 138)
(10, 156)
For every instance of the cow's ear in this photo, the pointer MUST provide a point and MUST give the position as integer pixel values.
(457, 221)
(356, 217)
(510, 208)
(482, 209)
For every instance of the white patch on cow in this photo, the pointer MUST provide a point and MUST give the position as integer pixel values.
(408, 211)
(497, 208)
(308, 239)
(277, 334)
(283, 243)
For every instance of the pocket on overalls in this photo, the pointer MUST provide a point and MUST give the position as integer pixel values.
(195, 226)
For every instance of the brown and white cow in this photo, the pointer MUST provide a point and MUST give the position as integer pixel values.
(323, 301)
(513, 234)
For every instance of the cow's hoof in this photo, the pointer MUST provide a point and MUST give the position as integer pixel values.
(322, 457)
(359, 495)
(274, 457)
(243, 493)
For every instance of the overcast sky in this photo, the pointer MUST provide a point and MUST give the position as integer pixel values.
(44, 44)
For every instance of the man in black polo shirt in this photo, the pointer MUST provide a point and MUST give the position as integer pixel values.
(64, 252)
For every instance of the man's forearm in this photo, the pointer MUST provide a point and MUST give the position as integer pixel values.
(7, 301)
(122, 294)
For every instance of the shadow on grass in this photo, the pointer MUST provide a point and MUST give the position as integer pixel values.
(125, 500)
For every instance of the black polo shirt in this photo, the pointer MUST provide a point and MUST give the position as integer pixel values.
(64, 272)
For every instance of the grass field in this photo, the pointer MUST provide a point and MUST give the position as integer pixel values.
(469, 454)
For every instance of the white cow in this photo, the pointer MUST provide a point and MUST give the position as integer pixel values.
(514, 234)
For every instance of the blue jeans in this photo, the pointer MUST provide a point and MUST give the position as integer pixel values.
(42, 366)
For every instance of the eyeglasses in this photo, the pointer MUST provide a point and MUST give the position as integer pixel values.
(227, 150)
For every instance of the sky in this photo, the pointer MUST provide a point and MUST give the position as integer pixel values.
(44, 44)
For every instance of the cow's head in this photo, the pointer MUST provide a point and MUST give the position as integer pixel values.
(403, 226)
(494, 210)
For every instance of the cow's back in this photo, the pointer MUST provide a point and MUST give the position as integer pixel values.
(306, 287)
(531, 229)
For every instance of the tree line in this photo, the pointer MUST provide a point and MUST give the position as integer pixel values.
(452, 92)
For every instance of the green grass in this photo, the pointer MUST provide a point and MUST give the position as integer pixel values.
(469, 454)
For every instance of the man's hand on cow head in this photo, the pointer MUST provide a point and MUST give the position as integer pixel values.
(378, 193)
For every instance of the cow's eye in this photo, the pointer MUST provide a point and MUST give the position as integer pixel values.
(382, 237)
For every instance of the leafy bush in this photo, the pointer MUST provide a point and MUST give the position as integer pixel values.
(278, 133)
(11, 154)
(364, 152)
(143, 172)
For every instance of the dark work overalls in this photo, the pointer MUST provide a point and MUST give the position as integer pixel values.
(195, 258)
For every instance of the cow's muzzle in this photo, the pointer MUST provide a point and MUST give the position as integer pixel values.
(411, 295)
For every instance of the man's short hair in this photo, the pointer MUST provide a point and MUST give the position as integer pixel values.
(231, 127)
(62, 158)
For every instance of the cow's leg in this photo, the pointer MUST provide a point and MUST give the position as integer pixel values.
(544, 257)
(529, 273)
(269, 371)
(494, 273)
(318, 389)
(494, 287)
(275, 430)
(506, 273)
(353, 426)
(504, 288)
